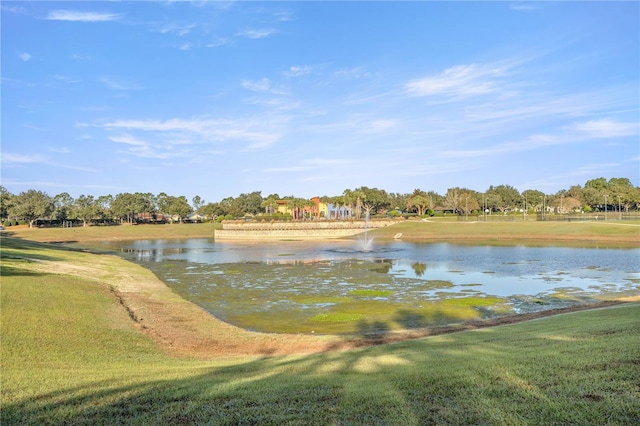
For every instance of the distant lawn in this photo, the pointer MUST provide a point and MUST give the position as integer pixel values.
(510, 231)
(72, 355)
(532, 232)
(114, 233)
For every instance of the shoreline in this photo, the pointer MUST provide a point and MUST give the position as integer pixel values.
(490, 233)
(183, 329)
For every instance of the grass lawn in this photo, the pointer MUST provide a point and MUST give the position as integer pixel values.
(71, 354)
(114, 233)
(529, 231)
(618, 232)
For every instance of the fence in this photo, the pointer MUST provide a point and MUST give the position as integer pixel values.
(587, 217)
(555, 217)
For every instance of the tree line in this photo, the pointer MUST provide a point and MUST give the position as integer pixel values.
(615, 194)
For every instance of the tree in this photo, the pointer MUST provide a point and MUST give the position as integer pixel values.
(576, 192)
(533, 199)
(348, 201)
(63, 206)
(6, 201)
(461, 200)
(246, 204)
(564, 204)
(174, 206)
(31, 206)
(337, 202)
(452, 199)
(126, 206)
(373, 199)
(468, 201)
(398, 201)
(297, 205)
(504, 198)
(103, 207)
(197, 203)
(270, 204)
(419, 203)
(213, 210)
(623, 192)
(86, 208)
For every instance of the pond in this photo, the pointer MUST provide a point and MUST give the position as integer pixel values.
(336, 287)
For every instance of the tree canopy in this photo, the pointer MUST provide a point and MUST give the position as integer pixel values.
(596, 195)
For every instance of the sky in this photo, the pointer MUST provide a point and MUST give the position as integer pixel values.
(302, 98)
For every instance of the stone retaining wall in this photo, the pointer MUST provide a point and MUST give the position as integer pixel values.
(240, 230)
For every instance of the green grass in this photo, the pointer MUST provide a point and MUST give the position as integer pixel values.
(364, 292)
(506, 232)
(435, 229)
(114, 233)
(335, 317)
(71, 355)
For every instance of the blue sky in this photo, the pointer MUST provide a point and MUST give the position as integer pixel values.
(311, 98)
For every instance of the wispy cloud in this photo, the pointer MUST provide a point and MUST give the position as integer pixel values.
(309, 164)
(606, 128)
(523, 6)
(357, 73)
(256, 33)
(458, 81)
(65, 79)
(216, 42)
(380, 126)
(25, 56)
(283, 16)
(255, 133)
(180, 30)
(261, 85)
(9, 158)
(120, 85)
(264, 85)
(576, 132)
(141, 148)
(298, 70)
(60, 150)
(129, 140)
(13, 9)
(78, 16)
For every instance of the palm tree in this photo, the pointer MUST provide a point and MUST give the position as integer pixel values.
(270, 205)
(337, 202)
(297, 205)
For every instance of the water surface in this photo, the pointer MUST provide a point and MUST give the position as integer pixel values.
(337, 287)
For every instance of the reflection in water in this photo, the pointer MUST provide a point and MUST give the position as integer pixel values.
(410, 284)
(419, 268)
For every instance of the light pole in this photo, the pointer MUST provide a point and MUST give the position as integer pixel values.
(605, 207)
(484, 207)
(466, 209)
(619, 208)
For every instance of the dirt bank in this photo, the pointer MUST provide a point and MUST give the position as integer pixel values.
(183, 329)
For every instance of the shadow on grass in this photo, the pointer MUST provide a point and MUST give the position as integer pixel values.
(10, 271)
(500, 377)
(10, 245)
